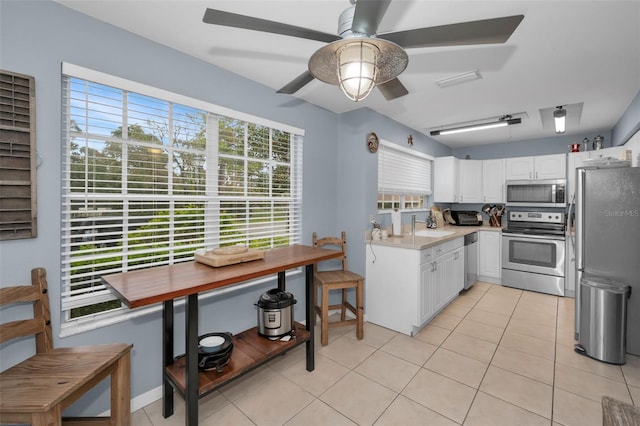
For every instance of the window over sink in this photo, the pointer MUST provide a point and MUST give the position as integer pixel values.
(404, 177)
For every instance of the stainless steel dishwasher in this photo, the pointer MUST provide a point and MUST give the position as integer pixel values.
(471, 259)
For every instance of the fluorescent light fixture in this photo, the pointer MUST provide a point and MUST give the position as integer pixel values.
(503, 121)
(559, 117)
(457, 79)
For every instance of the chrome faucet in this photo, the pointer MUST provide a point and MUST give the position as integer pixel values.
(413, 223)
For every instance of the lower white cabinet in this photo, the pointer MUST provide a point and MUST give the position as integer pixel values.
(490, 256)
(405, 288)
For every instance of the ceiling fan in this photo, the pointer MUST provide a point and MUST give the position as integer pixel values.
(357, 58)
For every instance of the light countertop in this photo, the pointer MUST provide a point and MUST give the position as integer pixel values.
(407, 241)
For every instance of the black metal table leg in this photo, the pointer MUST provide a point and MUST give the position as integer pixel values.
(191, 355)
(310, 345)
(167, 357)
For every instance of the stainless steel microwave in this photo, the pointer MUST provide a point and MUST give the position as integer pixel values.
(537, 193)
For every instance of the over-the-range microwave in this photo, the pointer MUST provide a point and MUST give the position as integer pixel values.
(536, 193)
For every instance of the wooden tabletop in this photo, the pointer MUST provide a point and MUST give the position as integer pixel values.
(162, 283)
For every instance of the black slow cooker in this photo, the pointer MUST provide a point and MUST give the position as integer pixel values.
(275, 313)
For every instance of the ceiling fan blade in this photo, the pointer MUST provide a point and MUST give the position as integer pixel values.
(392, 89)
(228, 19)
(297, 83)
(486, 31)
(368, 15)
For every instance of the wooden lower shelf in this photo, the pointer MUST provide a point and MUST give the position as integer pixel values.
(249, 351)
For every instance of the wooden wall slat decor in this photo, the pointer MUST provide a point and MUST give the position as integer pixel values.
(18, 212)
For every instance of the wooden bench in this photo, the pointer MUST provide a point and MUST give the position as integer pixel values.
(38, 389)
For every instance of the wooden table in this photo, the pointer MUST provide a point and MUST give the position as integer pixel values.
(166, 283)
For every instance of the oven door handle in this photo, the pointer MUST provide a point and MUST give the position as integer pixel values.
(514, 236)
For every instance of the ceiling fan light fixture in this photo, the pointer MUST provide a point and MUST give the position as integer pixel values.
(390, 60)
(503, 121)
(357, 69)
(559, 118)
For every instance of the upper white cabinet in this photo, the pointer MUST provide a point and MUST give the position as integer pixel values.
(493, 181)
(445, 180)
(457, 181)
(518, 168)
(537, 167)
(470, 181)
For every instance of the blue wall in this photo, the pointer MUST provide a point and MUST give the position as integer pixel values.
(35, 38)
(340, 175)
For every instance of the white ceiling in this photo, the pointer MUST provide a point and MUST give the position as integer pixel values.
(585, 54)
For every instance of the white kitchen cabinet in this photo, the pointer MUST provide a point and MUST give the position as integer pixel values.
(574, 161)
(405, 288)
(445, 180)
(570, 267)
(536, 167)
(519, 168)
(457, 181)
(470, 181)
(493, 181)
(550, 166)
(449, 276)
(490, 256)
(429, 291)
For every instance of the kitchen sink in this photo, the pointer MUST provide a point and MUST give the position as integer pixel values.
(433, 233)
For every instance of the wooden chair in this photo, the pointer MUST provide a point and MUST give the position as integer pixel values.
(38, 389)
(341, 279)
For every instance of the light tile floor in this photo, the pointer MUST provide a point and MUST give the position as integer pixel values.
(494, 356)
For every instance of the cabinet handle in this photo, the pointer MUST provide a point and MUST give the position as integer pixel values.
(536, 175)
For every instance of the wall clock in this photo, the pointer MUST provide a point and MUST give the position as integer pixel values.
(372, 142)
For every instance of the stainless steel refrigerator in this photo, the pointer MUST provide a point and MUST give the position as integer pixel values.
(607, 245)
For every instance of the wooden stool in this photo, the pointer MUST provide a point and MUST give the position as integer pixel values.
(340, 279)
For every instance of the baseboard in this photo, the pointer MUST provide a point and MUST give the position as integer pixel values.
(141, 401)
(491, 280)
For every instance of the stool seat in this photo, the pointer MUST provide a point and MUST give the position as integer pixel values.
(337, 279)
(332, 277)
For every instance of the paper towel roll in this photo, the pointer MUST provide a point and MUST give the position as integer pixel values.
(396, 222)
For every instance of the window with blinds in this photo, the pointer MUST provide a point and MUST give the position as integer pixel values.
(404, 177)
(147, 181)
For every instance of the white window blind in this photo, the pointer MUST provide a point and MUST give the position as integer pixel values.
(403, 171)
(147, 181)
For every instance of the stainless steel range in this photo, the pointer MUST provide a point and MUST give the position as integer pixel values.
(533, 251)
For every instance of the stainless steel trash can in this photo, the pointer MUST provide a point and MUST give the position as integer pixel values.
(603, 319)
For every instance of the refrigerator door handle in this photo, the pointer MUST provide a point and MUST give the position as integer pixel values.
(577, 240)
(579, 223)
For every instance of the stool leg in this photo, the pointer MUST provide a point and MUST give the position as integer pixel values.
(315, 301)
(324, 321)
(360, 310)
(121, 392)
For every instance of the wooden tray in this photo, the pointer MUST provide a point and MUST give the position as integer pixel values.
(217, 260)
